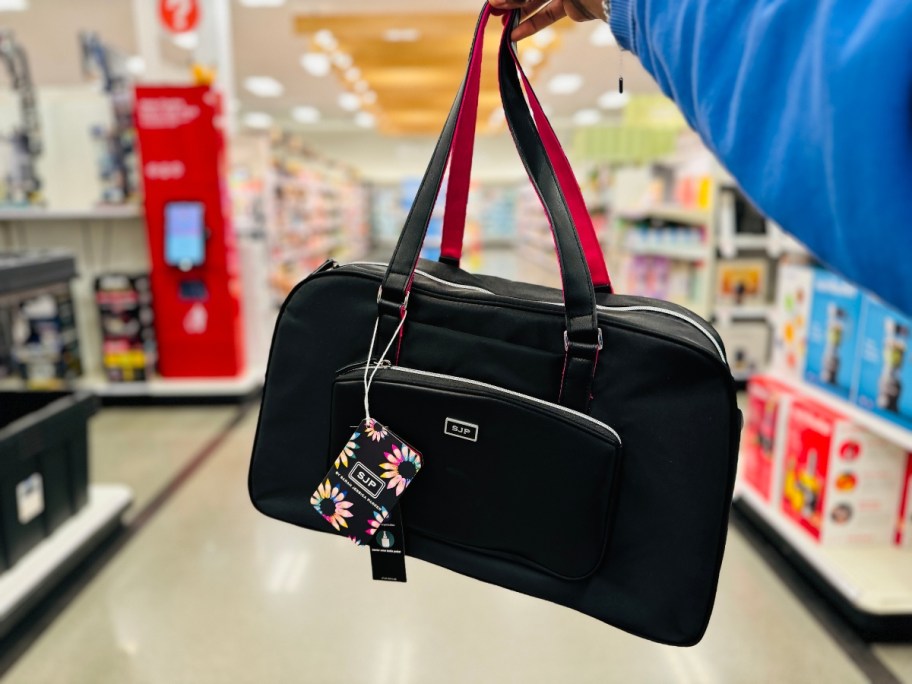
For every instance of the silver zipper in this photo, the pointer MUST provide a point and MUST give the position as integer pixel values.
(502, 390)
(606, 309)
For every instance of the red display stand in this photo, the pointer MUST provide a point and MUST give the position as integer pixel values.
(195, 270)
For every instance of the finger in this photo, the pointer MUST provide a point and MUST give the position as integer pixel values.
(552, 13)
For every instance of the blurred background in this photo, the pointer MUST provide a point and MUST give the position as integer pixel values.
(171, 169)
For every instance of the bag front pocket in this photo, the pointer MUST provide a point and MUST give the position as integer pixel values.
(503, 473)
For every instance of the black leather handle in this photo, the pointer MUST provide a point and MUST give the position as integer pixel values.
(582, 337)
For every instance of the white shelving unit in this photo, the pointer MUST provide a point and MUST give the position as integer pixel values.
(670, 213)
(35, 575)
(873, 580)
(101, 213)
(245, 385)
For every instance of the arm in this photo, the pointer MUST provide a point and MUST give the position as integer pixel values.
(809, 105)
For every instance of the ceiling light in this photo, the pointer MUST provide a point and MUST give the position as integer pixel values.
(602, 36)
(365, 120)
(135, 65)
(544, 38)
(564, 84)
(402, 35)
(188, 40)
(13, 5)
(305, 115)
(263, 86)
(369, 98)
(325, 39)
(316, 63)
(532, 56)
(353, 74)
(349, 102)
(586, 117)
(342, 60)
(361, 87)
(259, 120)
(613, 100)
(262, 3)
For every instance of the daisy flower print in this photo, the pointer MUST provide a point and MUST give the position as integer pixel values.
(330, 503)
(374, 523)
(348, 451)
(402, 465)
(375, 431)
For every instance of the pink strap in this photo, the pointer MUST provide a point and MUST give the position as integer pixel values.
(461, 166)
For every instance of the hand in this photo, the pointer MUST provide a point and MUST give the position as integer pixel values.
(537, 14)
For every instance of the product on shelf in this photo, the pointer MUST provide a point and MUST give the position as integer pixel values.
(841, 483)
(793, 309)
(833, 333)
(45, 339)
(763, 448)
(885, 363)
(747, 346)
(904, 522)
(127, 326)
(741, 282)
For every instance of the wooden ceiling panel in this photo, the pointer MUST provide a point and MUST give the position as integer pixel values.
(415, 80)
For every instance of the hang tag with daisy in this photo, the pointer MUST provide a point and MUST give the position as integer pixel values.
(365, 483)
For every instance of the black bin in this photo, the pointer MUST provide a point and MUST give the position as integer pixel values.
(44, 468)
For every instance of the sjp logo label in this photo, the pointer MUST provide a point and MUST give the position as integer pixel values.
(366, 480)
(461, 429)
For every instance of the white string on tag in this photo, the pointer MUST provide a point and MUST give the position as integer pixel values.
(370, 353)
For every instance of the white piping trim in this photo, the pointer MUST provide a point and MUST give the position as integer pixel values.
(502, 390)
(606, 309)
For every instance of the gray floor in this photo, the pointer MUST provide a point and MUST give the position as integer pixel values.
(210, 591)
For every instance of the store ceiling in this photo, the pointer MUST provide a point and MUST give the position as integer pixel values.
(270, 41)
(288, 31)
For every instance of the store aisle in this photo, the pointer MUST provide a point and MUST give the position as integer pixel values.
(211, 591)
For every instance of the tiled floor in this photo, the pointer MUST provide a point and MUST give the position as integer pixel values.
(209, 591)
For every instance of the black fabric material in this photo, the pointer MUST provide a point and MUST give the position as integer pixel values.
(466, 493)
(661, 382)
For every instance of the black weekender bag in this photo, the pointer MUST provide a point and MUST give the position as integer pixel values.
(596, 435)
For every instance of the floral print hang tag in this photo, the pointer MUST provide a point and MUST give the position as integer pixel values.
(371, 472)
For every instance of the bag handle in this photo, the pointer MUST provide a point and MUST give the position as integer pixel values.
(582, 337)
(457, 195)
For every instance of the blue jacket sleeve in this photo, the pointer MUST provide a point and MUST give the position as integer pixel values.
(809, 104)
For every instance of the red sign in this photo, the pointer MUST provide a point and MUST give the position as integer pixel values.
(195, 268)
(179, 16)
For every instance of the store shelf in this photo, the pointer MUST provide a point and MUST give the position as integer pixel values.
(671, 214)
(160, 390)
(33, 577)
(873, 584)
(741, 313)
(890, 431)
(679, 252)
(112, 213)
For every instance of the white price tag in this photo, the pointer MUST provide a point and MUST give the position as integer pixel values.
(30, 498)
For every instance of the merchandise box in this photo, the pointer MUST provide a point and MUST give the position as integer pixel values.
(833, 328)
(792, 310)
(763, 445)
(842, 483)
(904, 524)
(747, 347)
(884, 384)
(741, 282)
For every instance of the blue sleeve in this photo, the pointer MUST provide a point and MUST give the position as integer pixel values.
(808, 103)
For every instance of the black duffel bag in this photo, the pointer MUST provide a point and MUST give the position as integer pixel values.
(599, 467)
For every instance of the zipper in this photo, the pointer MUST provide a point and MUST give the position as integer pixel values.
(385, 365)
(606, 309)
